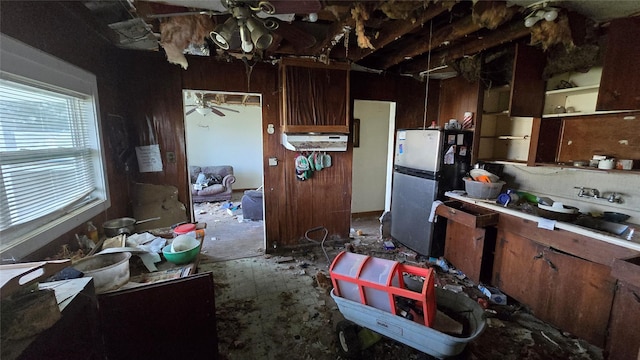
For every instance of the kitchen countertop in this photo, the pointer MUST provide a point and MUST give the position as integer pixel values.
(558, 224)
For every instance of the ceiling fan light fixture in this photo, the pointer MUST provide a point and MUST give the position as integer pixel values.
(259, 34)
(245, 37)
(203, 110)
(223, 35)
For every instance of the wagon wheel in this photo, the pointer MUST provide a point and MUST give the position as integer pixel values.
(348, 342)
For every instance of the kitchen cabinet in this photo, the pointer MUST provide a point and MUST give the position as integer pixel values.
(470, 238)
(624, 334)
(561, 288)
(563, 140)
(506, 121)
(315, 96)
(620, 83)
(577, 100)
(174, 319)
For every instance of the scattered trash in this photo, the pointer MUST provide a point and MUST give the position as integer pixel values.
(483, 302)
(284, 259)
(548, 338)
(388, 245)
(442, 263)
(455, 288)
(494, 295)
(213, 238)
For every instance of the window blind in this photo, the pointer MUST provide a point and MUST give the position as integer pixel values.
(46, 157)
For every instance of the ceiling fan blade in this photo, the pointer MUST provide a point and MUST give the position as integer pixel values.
(223, 108)
(296, 7)
(216, 111)
(299, 38)
(190, 111)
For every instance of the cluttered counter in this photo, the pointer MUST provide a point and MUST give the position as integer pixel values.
(633, 244)
(583, 281)
(142, 286)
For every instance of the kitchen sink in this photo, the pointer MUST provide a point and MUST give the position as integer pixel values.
(601, 225)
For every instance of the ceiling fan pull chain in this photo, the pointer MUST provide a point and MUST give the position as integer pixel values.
(248, 71)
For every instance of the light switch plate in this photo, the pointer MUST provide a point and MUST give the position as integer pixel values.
(171, 157)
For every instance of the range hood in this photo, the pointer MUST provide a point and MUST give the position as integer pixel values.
(315, 141)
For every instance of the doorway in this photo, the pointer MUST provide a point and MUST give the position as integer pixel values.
(225, 129)
(372, 163)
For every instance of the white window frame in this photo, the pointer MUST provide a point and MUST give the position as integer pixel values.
(19, 59)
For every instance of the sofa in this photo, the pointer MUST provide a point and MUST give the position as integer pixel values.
(211, 183)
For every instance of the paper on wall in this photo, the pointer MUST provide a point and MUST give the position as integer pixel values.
(149, 159)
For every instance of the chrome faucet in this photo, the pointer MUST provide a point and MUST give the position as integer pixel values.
(588, 192)
(613, 197)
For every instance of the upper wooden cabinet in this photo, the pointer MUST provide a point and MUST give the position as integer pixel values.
(527, 85)
(620, 82)
(315, 96)
(506, 121)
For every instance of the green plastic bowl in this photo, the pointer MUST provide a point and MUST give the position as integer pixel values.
(180, 257)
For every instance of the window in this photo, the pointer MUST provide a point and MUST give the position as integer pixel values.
(51, 163)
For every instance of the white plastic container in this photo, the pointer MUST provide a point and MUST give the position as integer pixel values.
(109, 271)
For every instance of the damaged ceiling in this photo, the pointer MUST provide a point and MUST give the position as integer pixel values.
(401, 36)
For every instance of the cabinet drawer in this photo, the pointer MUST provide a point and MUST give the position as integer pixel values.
(467, 214)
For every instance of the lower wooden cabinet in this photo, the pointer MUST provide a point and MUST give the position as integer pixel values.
(470, 238)
(569, 292)
(624, 332)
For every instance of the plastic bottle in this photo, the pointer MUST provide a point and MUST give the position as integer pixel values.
(92, 232)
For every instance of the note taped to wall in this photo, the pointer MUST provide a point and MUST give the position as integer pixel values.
(149, 159)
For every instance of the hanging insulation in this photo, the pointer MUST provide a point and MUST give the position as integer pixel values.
(360, 15)
(176, 33)
(402, 10)
(549, 33)
(490, 14)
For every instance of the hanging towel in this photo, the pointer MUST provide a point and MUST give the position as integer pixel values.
(435, 205)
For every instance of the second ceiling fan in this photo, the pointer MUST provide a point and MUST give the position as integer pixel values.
(204, 103)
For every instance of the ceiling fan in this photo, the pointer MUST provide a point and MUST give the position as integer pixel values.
(204, 105)
(252, 23)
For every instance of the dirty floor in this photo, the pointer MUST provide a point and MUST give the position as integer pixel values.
(278, 307)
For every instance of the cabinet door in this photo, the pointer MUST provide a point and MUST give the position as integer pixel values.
(527, 85)
(315, 98)
(571, 293)
(470, 250)
(620, 82)
(624, 335)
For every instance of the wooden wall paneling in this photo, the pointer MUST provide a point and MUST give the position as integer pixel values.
(407, 93)
(457, 96)
(155, 99)
(612, 135)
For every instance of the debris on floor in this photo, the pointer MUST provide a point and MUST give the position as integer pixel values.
(268, 308)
